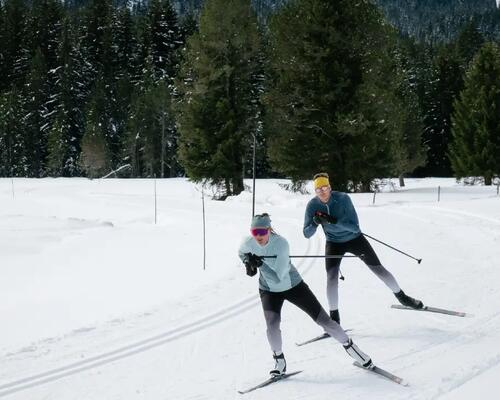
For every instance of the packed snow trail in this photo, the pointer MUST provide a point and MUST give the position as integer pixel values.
(442, 357)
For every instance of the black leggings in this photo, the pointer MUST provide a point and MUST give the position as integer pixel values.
(358, 246)
(303, 298)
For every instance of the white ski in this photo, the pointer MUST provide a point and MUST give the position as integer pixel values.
(267, 382)
(383, 373)
(434, 310)
(318, 338)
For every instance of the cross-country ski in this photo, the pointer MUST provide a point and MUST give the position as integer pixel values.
(318, 338)
(434, 310)
(382, 372)
(267, 382)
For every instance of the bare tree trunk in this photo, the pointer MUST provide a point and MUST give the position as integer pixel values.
(227, 182)
(402, 180)
(163, 143)
(237, 185)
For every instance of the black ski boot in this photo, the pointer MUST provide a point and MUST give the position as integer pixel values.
(408, 301)
(334, 315)
(279, 365)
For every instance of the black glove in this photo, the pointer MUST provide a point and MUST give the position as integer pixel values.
(252, 262)
(251, 271)
(324, 218)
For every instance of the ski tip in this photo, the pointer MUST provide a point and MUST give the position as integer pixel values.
(377, 370)
(400, 307)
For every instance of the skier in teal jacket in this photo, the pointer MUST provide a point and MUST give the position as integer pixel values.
(335, 213)
(267, 252)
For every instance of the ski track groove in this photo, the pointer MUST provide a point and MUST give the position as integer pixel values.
(441, 211)
(470, 376)
(145, 344)
(251, 301)
(453, 343)
(416, 356)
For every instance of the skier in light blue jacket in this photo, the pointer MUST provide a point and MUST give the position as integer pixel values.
(267, 252)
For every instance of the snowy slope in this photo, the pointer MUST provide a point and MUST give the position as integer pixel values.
(98, 302)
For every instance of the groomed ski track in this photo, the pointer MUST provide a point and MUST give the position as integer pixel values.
(437, 341)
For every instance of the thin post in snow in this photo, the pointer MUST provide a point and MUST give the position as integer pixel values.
(156, 207)
(253, 177)
(204, 236)
(439, 193)
(374, 194)
(498, 188)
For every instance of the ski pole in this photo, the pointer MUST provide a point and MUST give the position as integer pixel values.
(419, 260)
(326, 256)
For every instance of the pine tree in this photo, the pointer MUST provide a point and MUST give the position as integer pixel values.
(163, 38)
(95, 159)
(99, 50)
(412, 155)
(17, 54)
(442, 82)
(45, 29)
(13, 160)
(70, 94)
(142, 133)
(188, 26)
(36, 121)
(468, 43)
(334, 104)
(218, 110)
(126, 69)
(475, 150)
(3, 49)
(444, 85)
(151, 132)
(95, 32)
(125, 44)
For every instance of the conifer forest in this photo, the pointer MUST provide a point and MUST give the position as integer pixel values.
(361, 89)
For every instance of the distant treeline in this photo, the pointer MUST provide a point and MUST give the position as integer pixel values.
(87, 87)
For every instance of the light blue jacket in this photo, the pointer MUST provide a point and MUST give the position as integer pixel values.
(339, 206)
(275, 274)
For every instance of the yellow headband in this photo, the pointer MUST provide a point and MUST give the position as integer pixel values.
(321, 181)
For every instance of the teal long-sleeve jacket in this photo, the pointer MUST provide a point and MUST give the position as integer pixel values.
(340, 206)
(275, 274)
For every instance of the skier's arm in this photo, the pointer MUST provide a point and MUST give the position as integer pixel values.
(282, 265)
(243, 250)
(309, 225)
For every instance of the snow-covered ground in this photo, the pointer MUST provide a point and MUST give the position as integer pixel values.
(99, 302)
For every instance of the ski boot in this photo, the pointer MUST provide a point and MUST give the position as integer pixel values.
(358, 355)
(279, 365)
(408, 301)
